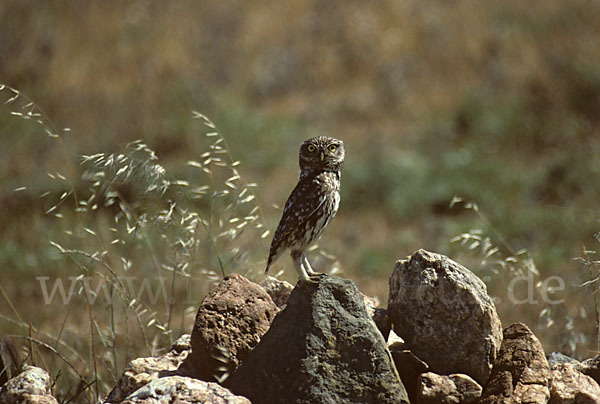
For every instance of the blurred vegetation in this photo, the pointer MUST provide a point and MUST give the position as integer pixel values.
(495, 102)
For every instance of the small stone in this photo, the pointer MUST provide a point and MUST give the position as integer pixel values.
(569, 386)
(451, 389)
(443, 313)
(183, 390)
(521, 374)
(32, 386)
(142, 371)
(278, 290)
(231, 320)
(556, 358)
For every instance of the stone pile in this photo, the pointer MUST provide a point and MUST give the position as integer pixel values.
(438, 341)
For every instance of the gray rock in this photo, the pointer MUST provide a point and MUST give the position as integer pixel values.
(556, 358)
(183, 390)
(278, 290)
(451, 389)
(521, 374)
(443, 313)
(32, 386)
(142, 371)
(569, 386)
(231, 320)
(322, 348)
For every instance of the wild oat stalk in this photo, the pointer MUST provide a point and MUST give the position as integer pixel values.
(517, 263)
(135, 235)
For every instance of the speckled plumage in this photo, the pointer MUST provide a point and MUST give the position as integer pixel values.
(312, 204)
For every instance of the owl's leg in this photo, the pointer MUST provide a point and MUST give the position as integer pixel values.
(298, 265)
(312, 274)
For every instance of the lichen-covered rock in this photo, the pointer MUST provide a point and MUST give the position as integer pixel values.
(451, 389)
(569, 386)
(278, 290)
(183, 390)
(142, 371)
(521, 374)
(443, 313)
(556, 358)
(32, 386)
(231, 320)
(322, 348)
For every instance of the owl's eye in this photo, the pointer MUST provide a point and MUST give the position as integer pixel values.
(311, 148)
(332, 148)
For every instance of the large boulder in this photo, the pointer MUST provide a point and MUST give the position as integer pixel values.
(142, 371)
(443, 313)
(231, 320)
(569, 386)
(183, 390)
(32, 386)
(322, 348)
(521, 374)
(450, 389)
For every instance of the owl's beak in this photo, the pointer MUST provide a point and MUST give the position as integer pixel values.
(322, 155)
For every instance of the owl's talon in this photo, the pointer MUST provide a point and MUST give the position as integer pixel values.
(316, 277)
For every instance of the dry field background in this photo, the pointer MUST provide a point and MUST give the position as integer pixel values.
(495, 103)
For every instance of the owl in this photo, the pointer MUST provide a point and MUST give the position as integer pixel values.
(311, 205)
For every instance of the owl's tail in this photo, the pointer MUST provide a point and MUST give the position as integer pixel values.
(269, 262)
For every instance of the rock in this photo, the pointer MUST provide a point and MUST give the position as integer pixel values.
(438, 306)
(451, 389)
(322, 348)
(556, 358)
(521, 373)
(278, 290)
(383, 322)
(142, 371)
(591, 368)
(409, 368)
(32, 386)
(380, 316)
(569, 386)
(231, 320)
(183, 390)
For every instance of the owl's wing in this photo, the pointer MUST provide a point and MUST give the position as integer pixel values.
(306, 199)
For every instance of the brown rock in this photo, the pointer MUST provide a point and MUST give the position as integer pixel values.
(591, 368)
(142, 371)
(230, 322)
(32, 386)
(521, 373)
(451, 389)
(569, 386)
(278, 290)
(183, 390)
(410, 367)
(443, 313)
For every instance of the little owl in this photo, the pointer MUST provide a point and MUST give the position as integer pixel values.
(311, 205)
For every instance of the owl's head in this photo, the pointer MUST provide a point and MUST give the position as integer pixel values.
(322, 153)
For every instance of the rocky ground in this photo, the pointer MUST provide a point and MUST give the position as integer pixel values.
(439, 341)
